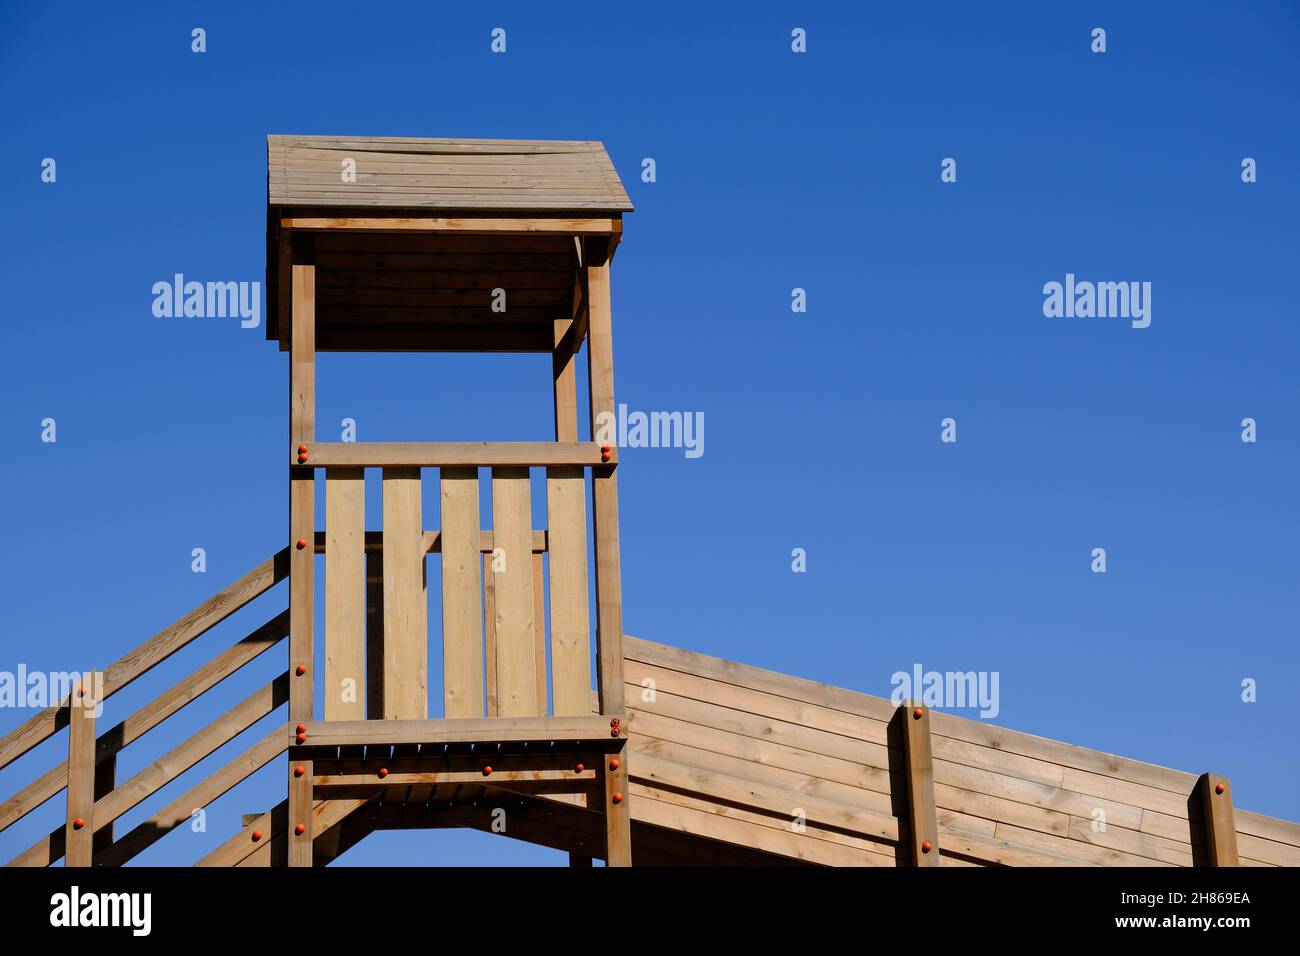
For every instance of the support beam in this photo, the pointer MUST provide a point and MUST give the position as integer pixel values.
(302, 534)
(1220, 821)
(80, 827)
(919, 766)
(451, 454)
(617, 800)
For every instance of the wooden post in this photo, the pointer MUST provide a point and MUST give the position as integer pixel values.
(609, 588)
(919, 766)
(1220, 821)
(604, 495)
(80, 826)
(618, 816)
(302, 531)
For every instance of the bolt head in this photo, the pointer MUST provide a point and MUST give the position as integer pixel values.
(302, 738)
(300, 829)
(1219, 788)
(927, 846)
(615, 764)
(257, 835)
(487, 771)
(300, 729)
(383, 772)
(918, 714)
(301, 544)
(617, 797)
(578, 768)
(300, 669)
(78, 823)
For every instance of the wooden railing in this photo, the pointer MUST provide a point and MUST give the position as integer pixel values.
(497, 647)
(94, 800)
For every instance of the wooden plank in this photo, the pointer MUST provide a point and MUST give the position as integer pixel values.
(713, 785)
(181, 810)
(509, 226)
(442, 777)
(919, 767)
(760, 703)
(152, 652)
(462, 612)
(477, 454)
(406, 690)
(756, 678)
(516, 665)
(604, 494)
(345, 656)
(539, 631)
(1220, 824)
(79, 827)
(566, 518)
(587, 731)
(146, 718)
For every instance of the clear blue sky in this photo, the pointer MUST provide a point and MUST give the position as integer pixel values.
(775, 171)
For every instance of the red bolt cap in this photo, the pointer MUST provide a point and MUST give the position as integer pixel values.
(1219, 788)
(487, 771)
(302, 449)
(302, 738)
(604, 448)
(302, 543)
(918, 713)
(300, 729)
(300, 669)
(614, 722)
(383, 772)
(604, 458)
(299, 770)
(613, 731)
(617, 797)
(257, 835)
(615, 764)
(578, 768)
(300, 829)
(78, 823)
(302, 459)
(927, 846)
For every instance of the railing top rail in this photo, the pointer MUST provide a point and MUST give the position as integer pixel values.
(452, 454)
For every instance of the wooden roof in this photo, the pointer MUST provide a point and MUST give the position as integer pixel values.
(461, 174)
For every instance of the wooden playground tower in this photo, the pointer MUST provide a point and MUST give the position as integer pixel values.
(341, 284)
(722, 764)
